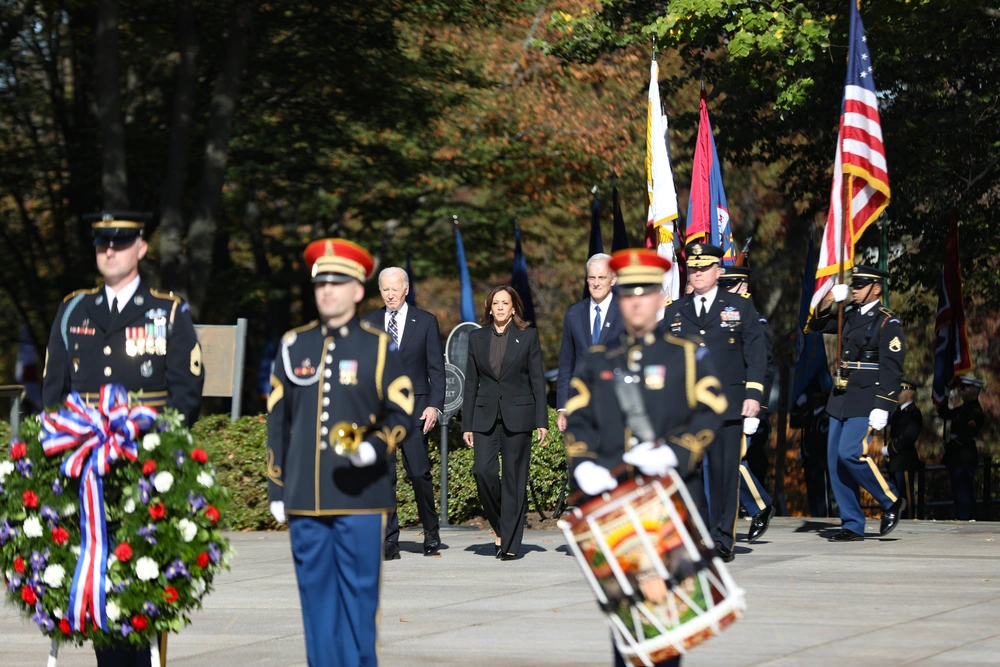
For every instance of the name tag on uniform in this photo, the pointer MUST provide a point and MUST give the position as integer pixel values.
(655, 376)
(348, 371)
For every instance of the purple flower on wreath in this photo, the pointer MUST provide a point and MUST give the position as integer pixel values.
(57, 488)
(179, 456)
(145, 489)
(7, 532)
(198, 503)
(24, 466)
(177, 569)
(147, 532)
(14, 583)
(1, 489)
(43, 620)
(214, 552)
(50, 515)
(126, 629)
(38, 561)
(149, 609)
(121, 586)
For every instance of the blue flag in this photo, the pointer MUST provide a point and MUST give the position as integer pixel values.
(596, 243)
(620, 239)
(519, 277)
(468, 308)
(411, 296)
(810, 353)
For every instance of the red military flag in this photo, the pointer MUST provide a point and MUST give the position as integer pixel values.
(951, 350)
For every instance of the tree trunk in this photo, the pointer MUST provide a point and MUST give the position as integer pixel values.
(114, 176)
(220, 122)
(171, 213)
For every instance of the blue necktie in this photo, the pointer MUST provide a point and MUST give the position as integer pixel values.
(595, 335)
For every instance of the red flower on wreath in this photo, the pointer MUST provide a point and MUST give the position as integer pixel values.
(123, 552)
(30, 499)
(171, 594)
(60, 535)
(157, 511)
(19, 565)
(148, 467)
(28, 595)
(18, 450)
(64, 626)
(203, 559)
(139, 622)
(212, 514)
(200, 455)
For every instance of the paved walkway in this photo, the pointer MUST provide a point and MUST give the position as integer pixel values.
(928, 594)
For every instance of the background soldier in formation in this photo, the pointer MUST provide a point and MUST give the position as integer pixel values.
(960, 453)
(905, 425)
(337, 383)
(866, 389)
(124, 333)
(729, 326)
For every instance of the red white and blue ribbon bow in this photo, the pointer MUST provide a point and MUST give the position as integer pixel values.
(97, 437)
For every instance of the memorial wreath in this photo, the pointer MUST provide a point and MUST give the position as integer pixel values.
(108, 521)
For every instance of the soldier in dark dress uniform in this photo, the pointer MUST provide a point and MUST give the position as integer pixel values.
(729, 326)
(866, 389)
(753, 495)
(339, 405)
(960, 453)
(124, 333)
(809, 414)
(905, 425)
(683, 398)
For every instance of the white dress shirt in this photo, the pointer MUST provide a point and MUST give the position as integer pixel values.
(868, 306)
(709, 297)
(123, 295)
(400, 320)
(593, 311)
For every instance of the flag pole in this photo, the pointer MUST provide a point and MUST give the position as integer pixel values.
(844, 215)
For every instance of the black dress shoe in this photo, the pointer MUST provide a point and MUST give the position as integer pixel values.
(390, 551)
(847, 536)
(891, 516)
(508, 556)
(725, 554)
(496, 551)
(759, 524)
(432, 543)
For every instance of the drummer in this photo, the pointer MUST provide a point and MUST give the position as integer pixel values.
(683, 398)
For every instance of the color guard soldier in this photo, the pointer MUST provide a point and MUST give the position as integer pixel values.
(124, 333)
(339, 405)
(683, 398)
(960, 453)
(905, 425)
(729, 326)
(753, 496)
(866, 388)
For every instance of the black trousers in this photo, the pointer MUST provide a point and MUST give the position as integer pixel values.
(123, 655)
(504, 499)
(724, 483)
(418, 471)
(904, 484)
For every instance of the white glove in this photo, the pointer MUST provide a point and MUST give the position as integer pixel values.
(878, 419)
(750, 425)
(651, 460)
(278, 511)
(839, 293)
(885, 450)
(593, 479)
(364, 456)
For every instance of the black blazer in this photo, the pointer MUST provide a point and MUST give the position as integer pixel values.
(420, 352)
(518, 393)
(576, 340)
(905, 425)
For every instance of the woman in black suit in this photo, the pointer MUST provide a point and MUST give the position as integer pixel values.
(504, 402)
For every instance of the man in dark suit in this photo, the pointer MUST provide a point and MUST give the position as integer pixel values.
(593, 321)
(729, 325)
(418, 337)
(961, 455)
(905, 425)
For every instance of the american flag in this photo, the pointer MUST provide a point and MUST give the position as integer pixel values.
(859, 165)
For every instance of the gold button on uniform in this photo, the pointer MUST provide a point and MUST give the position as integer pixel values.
(107, 350)
(107, 371)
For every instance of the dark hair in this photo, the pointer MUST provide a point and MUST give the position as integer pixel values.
(515, 300)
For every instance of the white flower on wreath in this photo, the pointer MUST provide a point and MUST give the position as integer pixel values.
(188, 529)
(205, 479)
(32, 527)
(190, 439)
(57, 612)
(6, 468)
(150, 442)
(112, 559)
(53, 575)
(163, 481)
(113, 611)
(129, 506)
(69, 510)
(198, 587)
(146, 569)
(75, 549)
